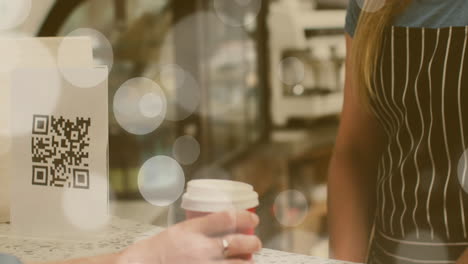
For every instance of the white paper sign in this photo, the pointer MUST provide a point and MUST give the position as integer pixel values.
(30, 52)
(59, 154)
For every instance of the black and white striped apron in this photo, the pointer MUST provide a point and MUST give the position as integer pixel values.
(421, 86)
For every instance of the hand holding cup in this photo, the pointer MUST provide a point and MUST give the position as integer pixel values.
(208, 239)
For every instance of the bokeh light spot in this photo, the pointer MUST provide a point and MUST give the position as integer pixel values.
(172, 76)
(151, 105)
(13, 13)
(161, 180)
(102, 53)
(183, 92)
(298, 89)
(186, 150)
(291, 71)
(139, 106)
(290, 208)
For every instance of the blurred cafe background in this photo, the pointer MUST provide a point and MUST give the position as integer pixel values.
(254, 93)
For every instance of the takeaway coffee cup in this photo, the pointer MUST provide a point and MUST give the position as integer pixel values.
(208, 196)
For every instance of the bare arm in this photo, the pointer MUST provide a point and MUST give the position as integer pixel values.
(352, 176)
(199, 240)
(106, 259)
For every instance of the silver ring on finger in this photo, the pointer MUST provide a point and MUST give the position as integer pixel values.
(225, 244)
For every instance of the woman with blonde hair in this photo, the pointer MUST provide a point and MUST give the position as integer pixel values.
(398, 183)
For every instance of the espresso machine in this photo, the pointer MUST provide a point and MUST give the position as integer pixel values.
(307, 54)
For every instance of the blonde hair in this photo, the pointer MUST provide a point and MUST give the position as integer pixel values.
(368, 40)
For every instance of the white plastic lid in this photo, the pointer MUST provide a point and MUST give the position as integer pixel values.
(218, 195)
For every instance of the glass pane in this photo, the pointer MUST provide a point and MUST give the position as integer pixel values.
(141, 45)
(233, 75)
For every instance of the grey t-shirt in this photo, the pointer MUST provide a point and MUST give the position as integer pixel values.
(420, 13)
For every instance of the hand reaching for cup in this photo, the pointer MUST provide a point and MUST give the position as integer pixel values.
(215, 238)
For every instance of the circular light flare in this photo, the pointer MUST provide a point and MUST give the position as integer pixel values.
(172, 75)
(186, 150)
(139, 106)
(151, 105)
(13, 13)
(183, 92)
(290, 208)
(102, 52)
(291, 71)
(161, 181)
(298, 89)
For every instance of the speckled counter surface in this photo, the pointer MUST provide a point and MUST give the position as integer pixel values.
(120, 234)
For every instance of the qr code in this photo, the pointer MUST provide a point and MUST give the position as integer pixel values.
(60, 151)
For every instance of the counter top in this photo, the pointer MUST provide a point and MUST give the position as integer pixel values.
(119, 235)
